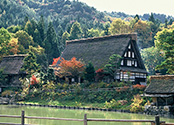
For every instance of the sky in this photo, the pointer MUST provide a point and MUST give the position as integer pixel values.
(133, 7)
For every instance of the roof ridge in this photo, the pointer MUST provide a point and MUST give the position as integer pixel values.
(133, 36)
(16, 55)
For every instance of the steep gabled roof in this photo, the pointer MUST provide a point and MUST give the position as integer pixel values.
(99, 49)
(12, 64)
(162, 84)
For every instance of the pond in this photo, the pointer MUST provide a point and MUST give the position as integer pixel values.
(69, 113)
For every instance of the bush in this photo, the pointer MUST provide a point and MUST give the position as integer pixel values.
(137, 105)
(6, 93)
(113, 104)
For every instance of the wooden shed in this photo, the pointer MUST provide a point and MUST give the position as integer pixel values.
(11, 66)
(161, 89)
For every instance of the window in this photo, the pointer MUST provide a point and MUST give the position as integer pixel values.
(129, 54)
(132, 54)
(122, 62)
(137, 75)
(129, 47)
(125, 55)
(117, 76)
(135, 63)
(128, 62)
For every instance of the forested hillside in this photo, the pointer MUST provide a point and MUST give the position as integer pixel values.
(45, 25)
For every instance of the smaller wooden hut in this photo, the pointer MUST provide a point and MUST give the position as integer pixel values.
(161, 89)
(11, 66)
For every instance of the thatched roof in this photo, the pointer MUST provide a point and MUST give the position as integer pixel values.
(162, 84)
(99, 49)
(12, 64)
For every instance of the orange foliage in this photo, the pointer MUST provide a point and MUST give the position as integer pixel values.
(121, 89)
(13, 44)
(139, 86)
(55, 60)
(70, 67)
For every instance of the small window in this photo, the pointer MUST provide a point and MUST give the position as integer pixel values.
(129, 54)
(132, 62)
(125, 54)
(132, 54)
(129, 47)
(122, 62)
(128, 62)
(135, 63)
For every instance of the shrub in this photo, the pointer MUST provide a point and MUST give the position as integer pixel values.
(137, 105)
(140, 87)
(113, 104)
(6, 93)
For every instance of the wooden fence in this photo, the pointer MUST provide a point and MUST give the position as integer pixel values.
(85, 120)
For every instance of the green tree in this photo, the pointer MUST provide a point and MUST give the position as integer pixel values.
(29, 28)
(3, 78)
(24, 39)
(93, 32)
(165, 41)
(41, 28)
(113, 65)
(65, 37)
(14, 29)
(151, 18)
(76, 31)
(89, 72)
(30, 65)
(51, 43)
(37, 37)
(152, 57)
(4, 42)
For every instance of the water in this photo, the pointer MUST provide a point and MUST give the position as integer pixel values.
(67, 113)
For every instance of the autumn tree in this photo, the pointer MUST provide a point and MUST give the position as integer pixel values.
(71, 68)
(119, 26)
(165, 41)
(144, 33)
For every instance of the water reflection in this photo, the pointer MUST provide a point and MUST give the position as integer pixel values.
(67, 113)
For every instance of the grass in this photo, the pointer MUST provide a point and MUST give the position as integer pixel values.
(62, 103)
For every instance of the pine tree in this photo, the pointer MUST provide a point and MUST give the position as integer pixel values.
(151, 18)
(41, 27)
(52, 45)
(90, 72)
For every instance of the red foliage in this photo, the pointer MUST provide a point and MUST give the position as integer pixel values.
(139, 86)
(99, 74)
(33, 80)
(55, 60)
(70, 67)
(121, 89)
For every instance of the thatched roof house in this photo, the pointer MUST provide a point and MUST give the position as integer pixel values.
(99, 49)
(161, 89)
(11, 66)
